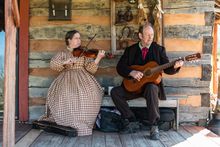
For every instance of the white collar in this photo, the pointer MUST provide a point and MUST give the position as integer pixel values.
(70, 49)
(140, 45)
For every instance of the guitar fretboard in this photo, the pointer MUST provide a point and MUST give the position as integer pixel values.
(164, 66)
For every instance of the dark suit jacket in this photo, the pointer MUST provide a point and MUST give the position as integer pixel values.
(133, 56)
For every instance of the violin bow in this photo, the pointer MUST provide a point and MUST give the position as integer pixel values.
(90, 41)
(87, 45)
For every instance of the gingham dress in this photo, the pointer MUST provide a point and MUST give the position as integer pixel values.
(74, 97)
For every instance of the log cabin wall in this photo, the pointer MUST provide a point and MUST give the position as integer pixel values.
(187, 29)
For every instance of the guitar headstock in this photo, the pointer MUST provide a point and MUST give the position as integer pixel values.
(193, 57)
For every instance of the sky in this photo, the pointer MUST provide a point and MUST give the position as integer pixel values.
(2, 43)
(2, 48)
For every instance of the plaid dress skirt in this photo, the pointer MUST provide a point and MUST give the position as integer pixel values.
(74, 97)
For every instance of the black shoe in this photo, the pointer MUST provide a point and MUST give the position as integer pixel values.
(131, 127)
(154, 133)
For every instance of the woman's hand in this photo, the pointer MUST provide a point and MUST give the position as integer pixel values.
(69, 61)
(100, 55)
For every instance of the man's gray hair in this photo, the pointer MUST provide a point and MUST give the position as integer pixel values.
(145, 25)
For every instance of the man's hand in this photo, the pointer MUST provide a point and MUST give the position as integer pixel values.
(136, 75)
(178, 64)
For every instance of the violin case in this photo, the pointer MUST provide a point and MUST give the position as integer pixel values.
(52, 127)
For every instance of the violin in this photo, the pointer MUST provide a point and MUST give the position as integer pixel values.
(90, 53)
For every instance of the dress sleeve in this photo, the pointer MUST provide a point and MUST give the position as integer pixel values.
(56, 62)
(90, 65)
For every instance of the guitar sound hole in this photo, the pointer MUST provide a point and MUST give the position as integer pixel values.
(148, 73)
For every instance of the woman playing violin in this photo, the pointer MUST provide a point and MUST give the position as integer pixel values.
(74, 97)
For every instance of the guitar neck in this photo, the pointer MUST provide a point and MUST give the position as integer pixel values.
(164, 66)
(159, 68)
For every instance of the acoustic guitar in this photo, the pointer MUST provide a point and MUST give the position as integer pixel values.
(152, 73)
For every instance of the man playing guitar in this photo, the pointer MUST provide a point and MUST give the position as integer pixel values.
(142, 53)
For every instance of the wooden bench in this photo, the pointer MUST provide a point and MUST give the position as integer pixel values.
(171, 102)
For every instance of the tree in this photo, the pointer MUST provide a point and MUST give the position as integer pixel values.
(1, 66)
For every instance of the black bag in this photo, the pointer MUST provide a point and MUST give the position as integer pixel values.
(167, 117)
(166, 114)
(52, 127)
(110, 121)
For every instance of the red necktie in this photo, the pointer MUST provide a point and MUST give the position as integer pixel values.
(144, 52)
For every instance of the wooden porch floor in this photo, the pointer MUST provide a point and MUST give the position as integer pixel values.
(186, 136)
(21, 131)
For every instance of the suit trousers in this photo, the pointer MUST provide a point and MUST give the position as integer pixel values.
(150, 92)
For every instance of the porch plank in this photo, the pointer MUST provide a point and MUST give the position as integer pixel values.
(127, 140)
(112, 140)
(20, 128)
(83, 141)
(28, 139)
(201, 139)
(139, 140)
(48, 139)
(68, 141)
(98, 139)
(171, 138)
(188, 136)
(156, 143)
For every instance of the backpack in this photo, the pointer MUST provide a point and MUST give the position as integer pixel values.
(109, 121)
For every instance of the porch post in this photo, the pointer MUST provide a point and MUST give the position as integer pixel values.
(12, 19)
(214, 57)
(23, 60)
